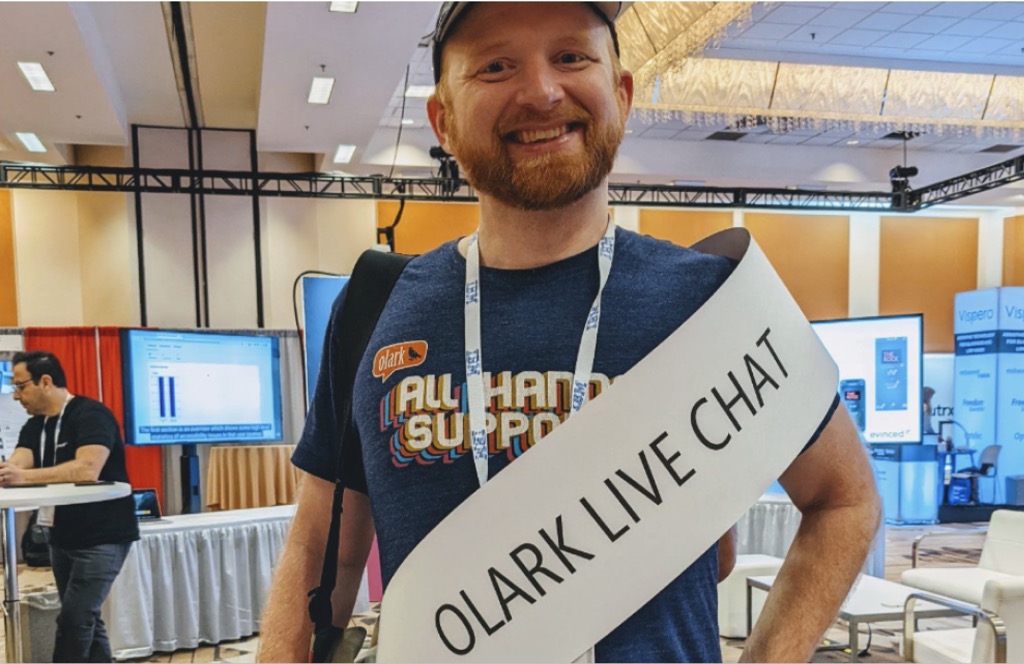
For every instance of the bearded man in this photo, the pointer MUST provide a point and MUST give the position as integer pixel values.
(532, 102)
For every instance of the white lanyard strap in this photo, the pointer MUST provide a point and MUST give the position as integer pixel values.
(56, 434)
(474, 352)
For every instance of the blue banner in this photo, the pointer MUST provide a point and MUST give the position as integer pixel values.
(1010, 383)
(975, 321)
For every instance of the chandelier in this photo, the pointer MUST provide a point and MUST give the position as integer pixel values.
(664, 44)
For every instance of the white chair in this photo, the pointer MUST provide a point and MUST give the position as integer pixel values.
(1002, 557)
(997, 638)
(732, 593)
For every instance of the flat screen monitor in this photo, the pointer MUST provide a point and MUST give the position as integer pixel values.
(200, 387)
(880, 373)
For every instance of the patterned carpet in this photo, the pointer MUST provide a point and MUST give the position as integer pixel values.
(881, 641)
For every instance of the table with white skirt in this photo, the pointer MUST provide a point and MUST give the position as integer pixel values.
(770, 525)
(197, 578)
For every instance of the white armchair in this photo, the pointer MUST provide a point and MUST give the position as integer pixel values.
(1002, 558)
(997, 638)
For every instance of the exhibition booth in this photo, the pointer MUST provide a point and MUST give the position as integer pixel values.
(190, 247)
(235, 400)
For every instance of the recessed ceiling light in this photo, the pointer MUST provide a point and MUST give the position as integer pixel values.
(629, 131)
(419, 91)
(36, 76)
(408, 122)
(346, 7)
(344, 154)
(320, 90)
(30, 141)
(853, 142)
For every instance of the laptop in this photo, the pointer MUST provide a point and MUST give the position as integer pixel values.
(147, 505)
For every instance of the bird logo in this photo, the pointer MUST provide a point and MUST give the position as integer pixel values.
(396, 357)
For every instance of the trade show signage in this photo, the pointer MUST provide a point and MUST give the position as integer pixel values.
(564, 544)
(976, 317)
(1010, 382)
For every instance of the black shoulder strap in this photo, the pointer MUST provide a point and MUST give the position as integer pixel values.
(373, 279)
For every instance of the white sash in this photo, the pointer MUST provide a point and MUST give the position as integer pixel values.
(563, 545)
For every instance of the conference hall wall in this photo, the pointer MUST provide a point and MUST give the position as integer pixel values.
(1013, 251)
(75, 256)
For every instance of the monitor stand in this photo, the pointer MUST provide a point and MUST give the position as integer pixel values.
(190, 480)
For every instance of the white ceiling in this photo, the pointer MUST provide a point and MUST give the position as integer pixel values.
(112, 66)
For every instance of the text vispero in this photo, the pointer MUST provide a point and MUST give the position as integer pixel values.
(558, 551)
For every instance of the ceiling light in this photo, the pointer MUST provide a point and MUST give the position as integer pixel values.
(408, 122)
(36, 76)
(320, 90)
(853, 142)
(30, 141)
(346, 7)
(344, 154)
(419, 91)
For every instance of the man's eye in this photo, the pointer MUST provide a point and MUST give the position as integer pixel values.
(495, 67)
(570, 58)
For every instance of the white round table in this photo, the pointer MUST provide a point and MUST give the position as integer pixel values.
(38, 496)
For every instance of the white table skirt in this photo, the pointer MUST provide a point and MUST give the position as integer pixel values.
(201, 578)
(770, 525)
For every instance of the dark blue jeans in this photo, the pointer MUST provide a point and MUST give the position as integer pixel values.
(84, 577)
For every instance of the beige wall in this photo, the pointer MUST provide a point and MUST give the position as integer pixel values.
(304, 234)
(8, 290)
(1013, 251)
(109, 272)
(76, 263)
(812, 255)
(48, 257)
(924, 262)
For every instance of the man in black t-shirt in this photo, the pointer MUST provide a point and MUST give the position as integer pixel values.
(73, 439)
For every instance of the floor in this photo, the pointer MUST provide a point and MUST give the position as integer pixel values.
(962, 549)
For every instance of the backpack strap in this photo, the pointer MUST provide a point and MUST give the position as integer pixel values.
(373, 278)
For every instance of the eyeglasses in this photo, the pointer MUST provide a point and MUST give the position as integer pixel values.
(18, 387)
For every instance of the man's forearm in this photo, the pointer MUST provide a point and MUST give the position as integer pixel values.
(69, 471)
(285, 628)
(823, 561)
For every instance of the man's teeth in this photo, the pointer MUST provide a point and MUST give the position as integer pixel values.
(535, 136)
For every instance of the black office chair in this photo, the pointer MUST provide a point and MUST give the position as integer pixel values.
(986, 468)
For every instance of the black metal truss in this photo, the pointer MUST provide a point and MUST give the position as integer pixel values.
(324, 185)
(974, 182)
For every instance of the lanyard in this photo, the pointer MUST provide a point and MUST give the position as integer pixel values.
(56, 434)
(474, 354)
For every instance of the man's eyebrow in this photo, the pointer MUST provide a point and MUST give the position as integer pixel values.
(487, 48)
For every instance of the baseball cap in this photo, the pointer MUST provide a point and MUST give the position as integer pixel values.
(451, 12)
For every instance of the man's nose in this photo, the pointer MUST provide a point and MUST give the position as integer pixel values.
(540, 86)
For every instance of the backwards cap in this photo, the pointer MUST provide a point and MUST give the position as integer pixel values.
(451, 12)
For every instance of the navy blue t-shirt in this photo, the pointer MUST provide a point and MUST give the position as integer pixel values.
(410, 410)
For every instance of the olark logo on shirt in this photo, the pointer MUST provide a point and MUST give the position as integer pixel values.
(405, 355)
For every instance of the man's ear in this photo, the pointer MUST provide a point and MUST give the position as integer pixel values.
(626, 88)
(437, 114)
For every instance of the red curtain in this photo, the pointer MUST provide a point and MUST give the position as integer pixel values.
(76, 348)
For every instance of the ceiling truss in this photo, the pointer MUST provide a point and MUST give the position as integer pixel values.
(323, 185)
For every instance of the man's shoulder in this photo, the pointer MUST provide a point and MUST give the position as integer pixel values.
(82, 406)
(648, 257)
